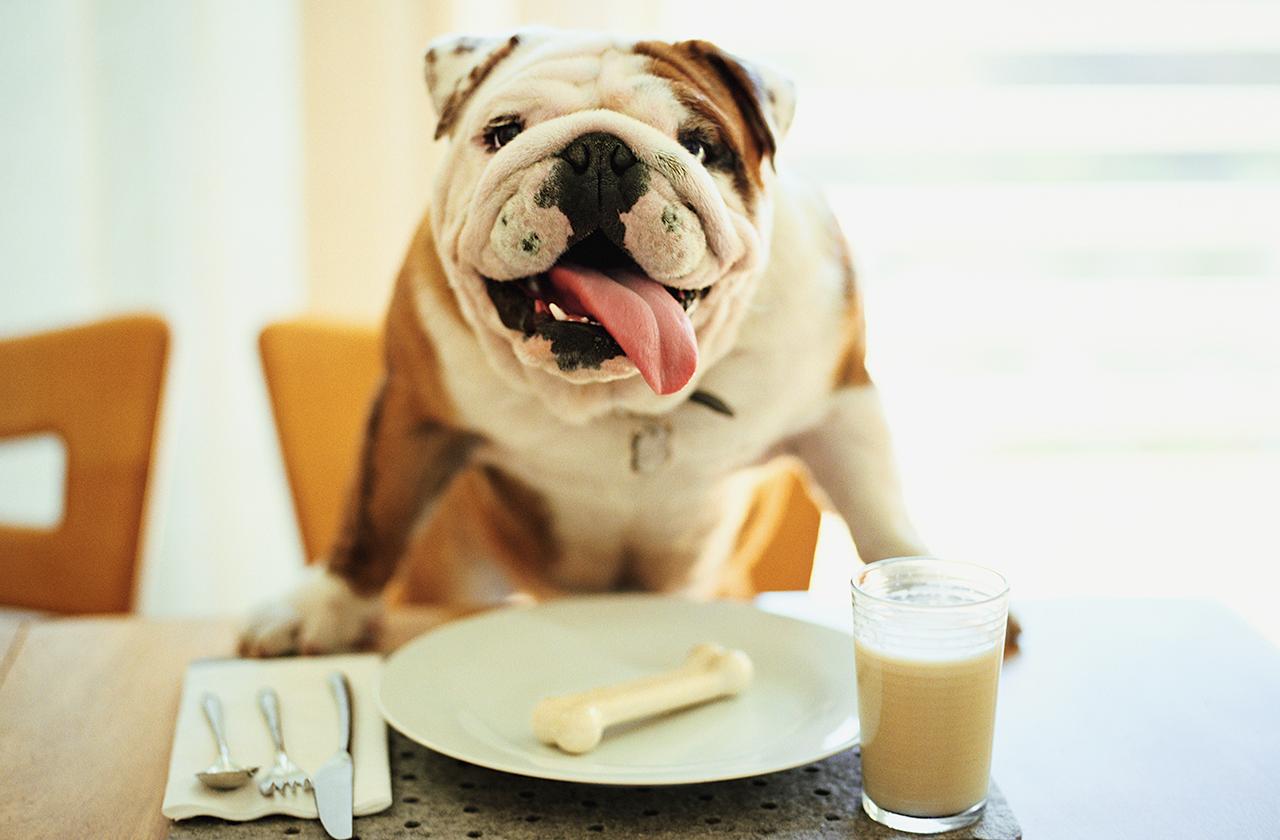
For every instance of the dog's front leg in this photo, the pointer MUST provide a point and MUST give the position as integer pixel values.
(406, 463)
(851, 458)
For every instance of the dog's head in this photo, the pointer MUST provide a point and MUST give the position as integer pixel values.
(602, 211)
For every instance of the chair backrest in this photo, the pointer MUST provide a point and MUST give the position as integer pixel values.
(97, 387)
(779, 535)
(321, 377)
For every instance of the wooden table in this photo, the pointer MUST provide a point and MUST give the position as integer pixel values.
(11, 630)
(1124, 719)
(87, 709)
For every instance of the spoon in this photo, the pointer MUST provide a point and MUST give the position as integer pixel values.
(223, 774)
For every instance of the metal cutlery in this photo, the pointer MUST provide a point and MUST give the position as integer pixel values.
(334, 781)
(223, 774)
(284, 775)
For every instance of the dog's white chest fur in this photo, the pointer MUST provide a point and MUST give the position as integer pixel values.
(638, 499)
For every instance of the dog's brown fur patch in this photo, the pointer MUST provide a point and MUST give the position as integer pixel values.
(410, 451)
(487, 518)
(462, 92)
(851, 368)
(408, 347)
(413, 472)
(714, 85)
(406, 463)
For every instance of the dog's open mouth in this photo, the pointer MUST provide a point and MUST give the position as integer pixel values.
(596, 303)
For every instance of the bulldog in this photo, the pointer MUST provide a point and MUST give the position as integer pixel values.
(614, 309)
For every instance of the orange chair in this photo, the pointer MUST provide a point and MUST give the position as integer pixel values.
(775, 548)
(98, 388)
(321, 377)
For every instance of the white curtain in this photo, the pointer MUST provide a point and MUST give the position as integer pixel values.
(150, 161)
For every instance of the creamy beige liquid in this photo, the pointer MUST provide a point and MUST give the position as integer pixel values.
(926, 729)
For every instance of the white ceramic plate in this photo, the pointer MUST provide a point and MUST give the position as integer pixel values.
(468, 688)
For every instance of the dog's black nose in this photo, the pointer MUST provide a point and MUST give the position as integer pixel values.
(590, 153)
(598, 181)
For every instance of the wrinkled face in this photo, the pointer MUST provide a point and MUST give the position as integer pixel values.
(602, 212)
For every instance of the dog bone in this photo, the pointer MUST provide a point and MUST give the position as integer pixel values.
(576, 722)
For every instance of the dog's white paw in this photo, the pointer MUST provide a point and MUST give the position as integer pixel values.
(322, 615)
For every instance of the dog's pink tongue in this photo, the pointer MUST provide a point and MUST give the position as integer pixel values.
(652, 329)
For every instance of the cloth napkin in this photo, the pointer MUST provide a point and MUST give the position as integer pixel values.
(308, 721)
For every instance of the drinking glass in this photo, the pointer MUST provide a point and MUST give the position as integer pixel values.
(928, 645)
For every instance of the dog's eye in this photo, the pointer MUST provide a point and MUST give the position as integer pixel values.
(499, 134)
(697, 146)
(708, 147)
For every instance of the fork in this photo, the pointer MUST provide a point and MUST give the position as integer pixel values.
(284, 776)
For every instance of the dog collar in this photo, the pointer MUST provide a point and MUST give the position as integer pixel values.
(712, 402)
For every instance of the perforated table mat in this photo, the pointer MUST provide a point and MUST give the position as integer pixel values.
(436, 796)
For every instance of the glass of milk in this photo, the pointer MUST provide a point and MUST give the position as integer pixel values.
(928, 644)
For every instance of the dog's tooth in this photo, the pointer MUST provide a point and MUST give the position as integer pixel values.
(557, 313)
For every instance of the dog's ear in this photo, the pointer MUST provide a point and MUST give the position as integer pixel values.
(766, 98)
(456, 65)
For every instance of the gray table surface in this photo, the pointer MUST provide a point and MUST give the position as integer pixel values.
(436, 796)
(1131, 718)
(1140, 719)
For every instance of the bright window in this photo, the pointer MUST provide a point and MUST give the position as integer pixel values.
(1066, 220)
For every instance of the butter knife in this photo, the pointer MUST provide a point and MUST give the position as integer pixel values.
(333, 782)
